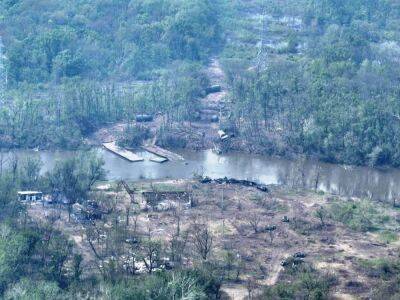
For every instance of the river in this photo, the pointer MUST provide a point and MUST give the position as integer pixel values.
(348, 181)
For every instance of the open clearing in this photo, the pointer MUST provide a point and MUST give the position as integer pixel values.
(238, 218)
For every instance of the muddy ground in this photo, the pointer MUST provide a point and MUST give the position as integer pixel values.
(230, 212)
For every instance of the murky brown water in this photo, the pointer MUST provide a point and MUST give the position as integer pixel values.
(343, 180)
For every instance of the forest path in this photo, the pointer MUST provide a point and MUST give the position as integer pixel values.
(214, 103)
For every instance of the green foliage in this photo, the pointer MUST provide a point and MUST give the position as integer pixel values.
(76, 109)
(165, 138)
(29, 173)
(335, 97)
(302, 282)
(383, 268)
(75, 176)
(25, 252)
(387, 236)
(358, 215)
(38, 262)
(48, 41)
(133, 136)
(36, 290)
(190, 284)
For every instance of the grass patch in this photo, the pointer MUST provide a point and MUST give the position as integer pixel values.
(301, 226)
(272, 205)
(386, 273)
(358, 215)
(302, 282)
(164, 187)
(388, 237)
(382, 268)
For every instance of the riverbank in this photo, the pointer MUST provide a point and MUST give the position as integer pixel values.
(346, 181)
(254, 234)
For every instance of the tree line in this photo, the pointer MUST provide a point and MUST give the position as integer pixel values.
(338, 100)
(46, 42)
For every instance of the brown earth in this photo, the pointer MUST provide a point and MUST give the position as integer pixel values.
(228, 211)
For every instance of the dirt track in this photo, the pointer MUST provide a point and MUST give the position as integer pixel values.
(228, 211)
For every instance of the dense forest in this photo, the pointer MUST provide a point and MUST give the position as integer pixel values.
(322, 82)
(330, 89)
(75, 66)
(50, 40)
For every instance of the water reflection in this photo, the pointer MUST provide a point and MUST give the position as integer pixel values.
(342, 180)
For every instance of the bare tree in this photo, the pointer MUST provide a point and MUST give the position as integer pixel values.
(321, 214)
(178, 246)
(239, 204)
(151, 251)
(271, 232)
(239, 226)
(317, 177)
(127, 214)
(251, 286)
(203, 240)
(135, 221)
(254, 222)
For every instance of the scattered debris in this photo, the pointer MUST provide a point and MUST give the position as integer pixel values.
(89, 211)
(262, 187)
(225, 180)
(222, 135)
(292, 262)
(162, 201)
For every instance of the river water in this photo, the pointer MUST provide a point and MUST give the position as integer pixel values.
(348, 181)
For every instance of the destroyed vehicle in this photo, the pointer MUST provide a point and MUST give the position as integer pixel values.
(292, 262)
(79, 218)
(214, 119)
(299, 255)
(269, 228)
(206, 180)
(144, 118)
(222, 135)
(89, 211)
(30, 196)
(248, 183)
(132, 241)
(262, 187)
(213, 89)
(92, 211)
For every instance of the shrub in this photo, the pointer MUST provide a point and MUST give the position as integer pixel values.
(357, 215)
(133, 136)
(303, 282)
(165, 138)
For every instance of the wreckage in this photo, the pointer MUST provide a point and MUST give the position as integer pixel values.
(243, 182)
